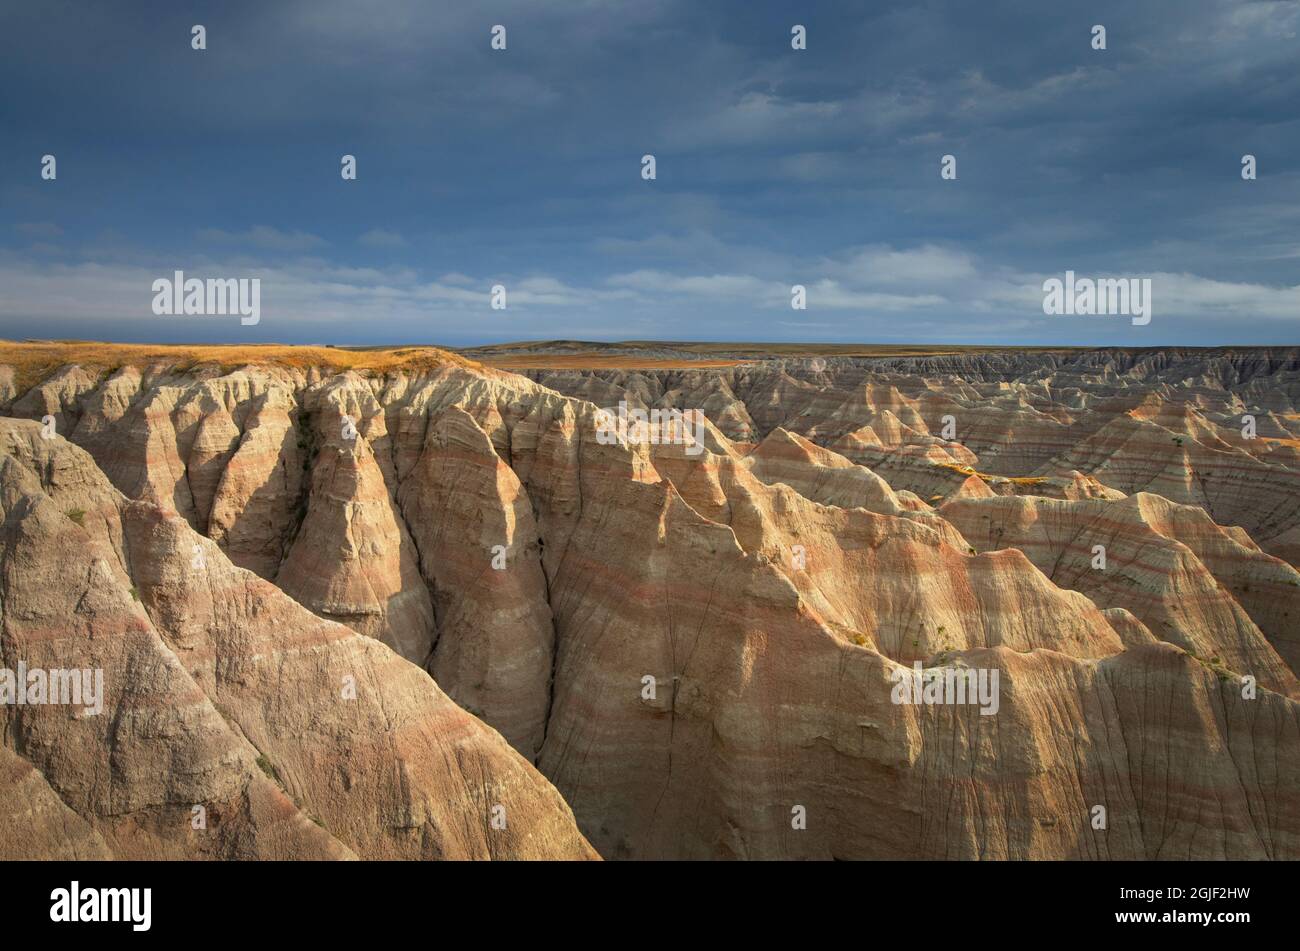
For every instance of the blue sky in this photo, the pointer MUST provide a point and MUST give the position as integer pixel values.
(775, 167)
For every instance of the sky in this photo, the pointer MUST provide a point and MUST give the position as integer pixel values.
(774, 166)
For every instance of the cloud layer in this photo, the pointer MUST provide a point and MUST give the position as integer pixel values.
(775, 167)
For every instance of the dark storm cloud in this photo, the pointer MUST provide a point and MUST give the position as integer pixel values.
(775, 167)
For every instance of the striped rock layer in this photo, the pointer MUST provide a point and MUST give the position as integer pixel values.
(698, 646)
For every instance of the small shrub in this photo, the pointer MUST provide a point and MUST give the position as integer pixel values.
(265, 766)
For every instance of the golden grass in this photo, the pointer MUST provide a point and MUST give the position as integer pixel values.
(34, 361)
(1014, 480)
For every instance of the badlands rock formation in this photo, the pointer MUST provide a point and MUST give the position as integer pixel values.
(226, 704)
(353, 609)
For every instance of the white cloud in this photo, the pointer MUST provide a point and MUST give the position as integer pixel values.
(264, 237)
(1189, 293)
(700, 285)
(941, 293)
(305, 291)
(835, 296)
(883, 264)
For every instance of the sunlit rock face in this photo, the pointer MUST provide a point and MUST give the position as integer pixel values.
(438, 613)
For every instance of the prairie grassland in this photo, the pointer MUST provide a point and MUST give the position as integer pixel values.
(596, 361)
(664, 354)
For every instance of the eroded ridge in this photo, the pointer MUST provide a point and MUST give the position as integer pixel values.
(706, 640)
